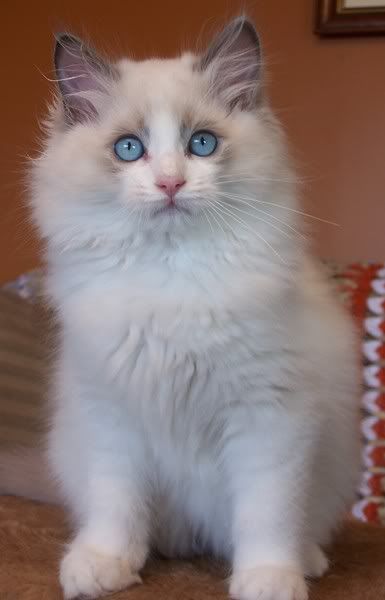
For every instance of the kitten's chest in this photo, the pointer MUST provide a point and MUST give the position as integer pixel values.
(167, 354)
(128, 326)
(166, 371)
(176, 397)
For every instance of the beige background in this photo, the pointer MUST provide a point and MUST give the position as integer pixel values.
(363, 3)
(330, 94)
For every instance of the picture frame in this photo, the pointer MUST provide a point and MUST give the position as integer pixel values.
(349, 17)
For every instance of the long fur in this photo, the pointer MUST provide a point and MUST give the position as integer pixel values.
(205, 392)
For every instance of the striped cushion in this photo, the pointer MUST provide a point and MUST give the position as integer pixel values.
(362, 287)
(21, 369)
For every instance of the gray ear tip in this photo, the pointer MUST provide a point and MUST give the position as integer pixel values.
(65, 42)
(65, 39)
(243, 20)
(242, 25)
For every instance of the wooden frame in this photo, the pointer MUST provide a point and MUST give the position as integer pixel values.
(350, 17)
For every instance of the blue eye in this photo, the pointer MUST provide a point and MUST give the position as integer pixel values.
(202, 143)
(129, 148)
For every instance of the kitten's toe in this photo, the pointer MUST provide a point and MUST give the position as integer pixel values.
(86, 572)
(268, 583)
(315, 563)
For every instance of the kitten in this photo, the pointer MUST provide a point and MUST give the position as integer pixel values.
(206, 381)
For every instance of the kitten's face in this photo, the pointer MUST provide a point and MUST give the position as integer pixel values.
(190, 142)
(158, 146)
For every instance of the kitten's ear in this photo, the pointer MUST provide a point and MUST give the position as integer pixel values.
(234, 63)
(82, 77)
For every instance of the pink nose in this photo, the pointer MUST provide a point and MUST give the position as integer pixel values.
(170, 185)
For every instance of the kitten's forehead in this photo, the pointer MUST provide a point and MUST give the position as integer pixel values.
(160, 84)
(158, 78)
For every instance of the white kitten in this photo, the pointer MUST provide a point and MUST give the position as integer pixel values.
(206, 382)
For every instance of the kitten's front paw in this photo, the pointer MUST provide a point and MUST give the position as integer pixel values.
(315, 563)
(86, 572)
(268, 583)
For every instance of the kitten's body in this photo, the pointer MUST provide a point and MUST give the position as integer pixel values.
(206, 381)
(176, 385)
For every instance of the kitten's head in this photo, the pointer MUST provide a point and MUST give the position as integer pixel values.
(173, 147)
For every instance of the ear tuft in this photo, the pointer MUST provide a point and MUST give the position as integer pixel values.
(234, 64)
(82, 77)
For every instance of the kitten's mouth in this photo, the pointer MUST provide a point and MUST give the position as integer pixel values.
(171, 208)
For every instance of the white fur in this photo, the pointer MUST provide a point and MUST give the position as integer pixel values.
(206, 382)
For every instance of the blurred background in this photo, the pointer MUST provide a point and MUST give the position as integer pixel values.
(328, 92)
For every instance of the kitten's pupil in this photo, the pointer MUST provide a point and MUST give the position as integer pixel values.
(203, 141)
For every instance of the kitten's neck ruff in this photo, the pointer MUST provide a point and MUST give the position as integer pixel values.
(199, 247)
(220, 273)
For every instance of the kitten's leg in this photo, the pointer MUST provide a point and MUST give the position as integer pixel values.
(111, 545)
(268, 467)
(99, 462)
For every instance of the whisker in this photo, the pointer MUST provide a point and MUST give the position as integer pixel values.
(284, 233)
(290, 209)
(243, 224)
(226, 179)
(208, 221)
(300, 212)
(264, 212)
(214, 210)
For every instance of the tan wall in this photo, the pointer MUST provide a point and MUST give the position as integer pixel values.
(329, 93)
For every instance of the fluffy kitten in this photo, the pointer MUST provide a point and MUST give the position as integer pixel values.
(206, 382)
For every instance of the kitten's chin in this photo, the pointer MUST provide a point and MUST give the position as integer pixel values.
(165, 217)
(171, 214)
(171, 210)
